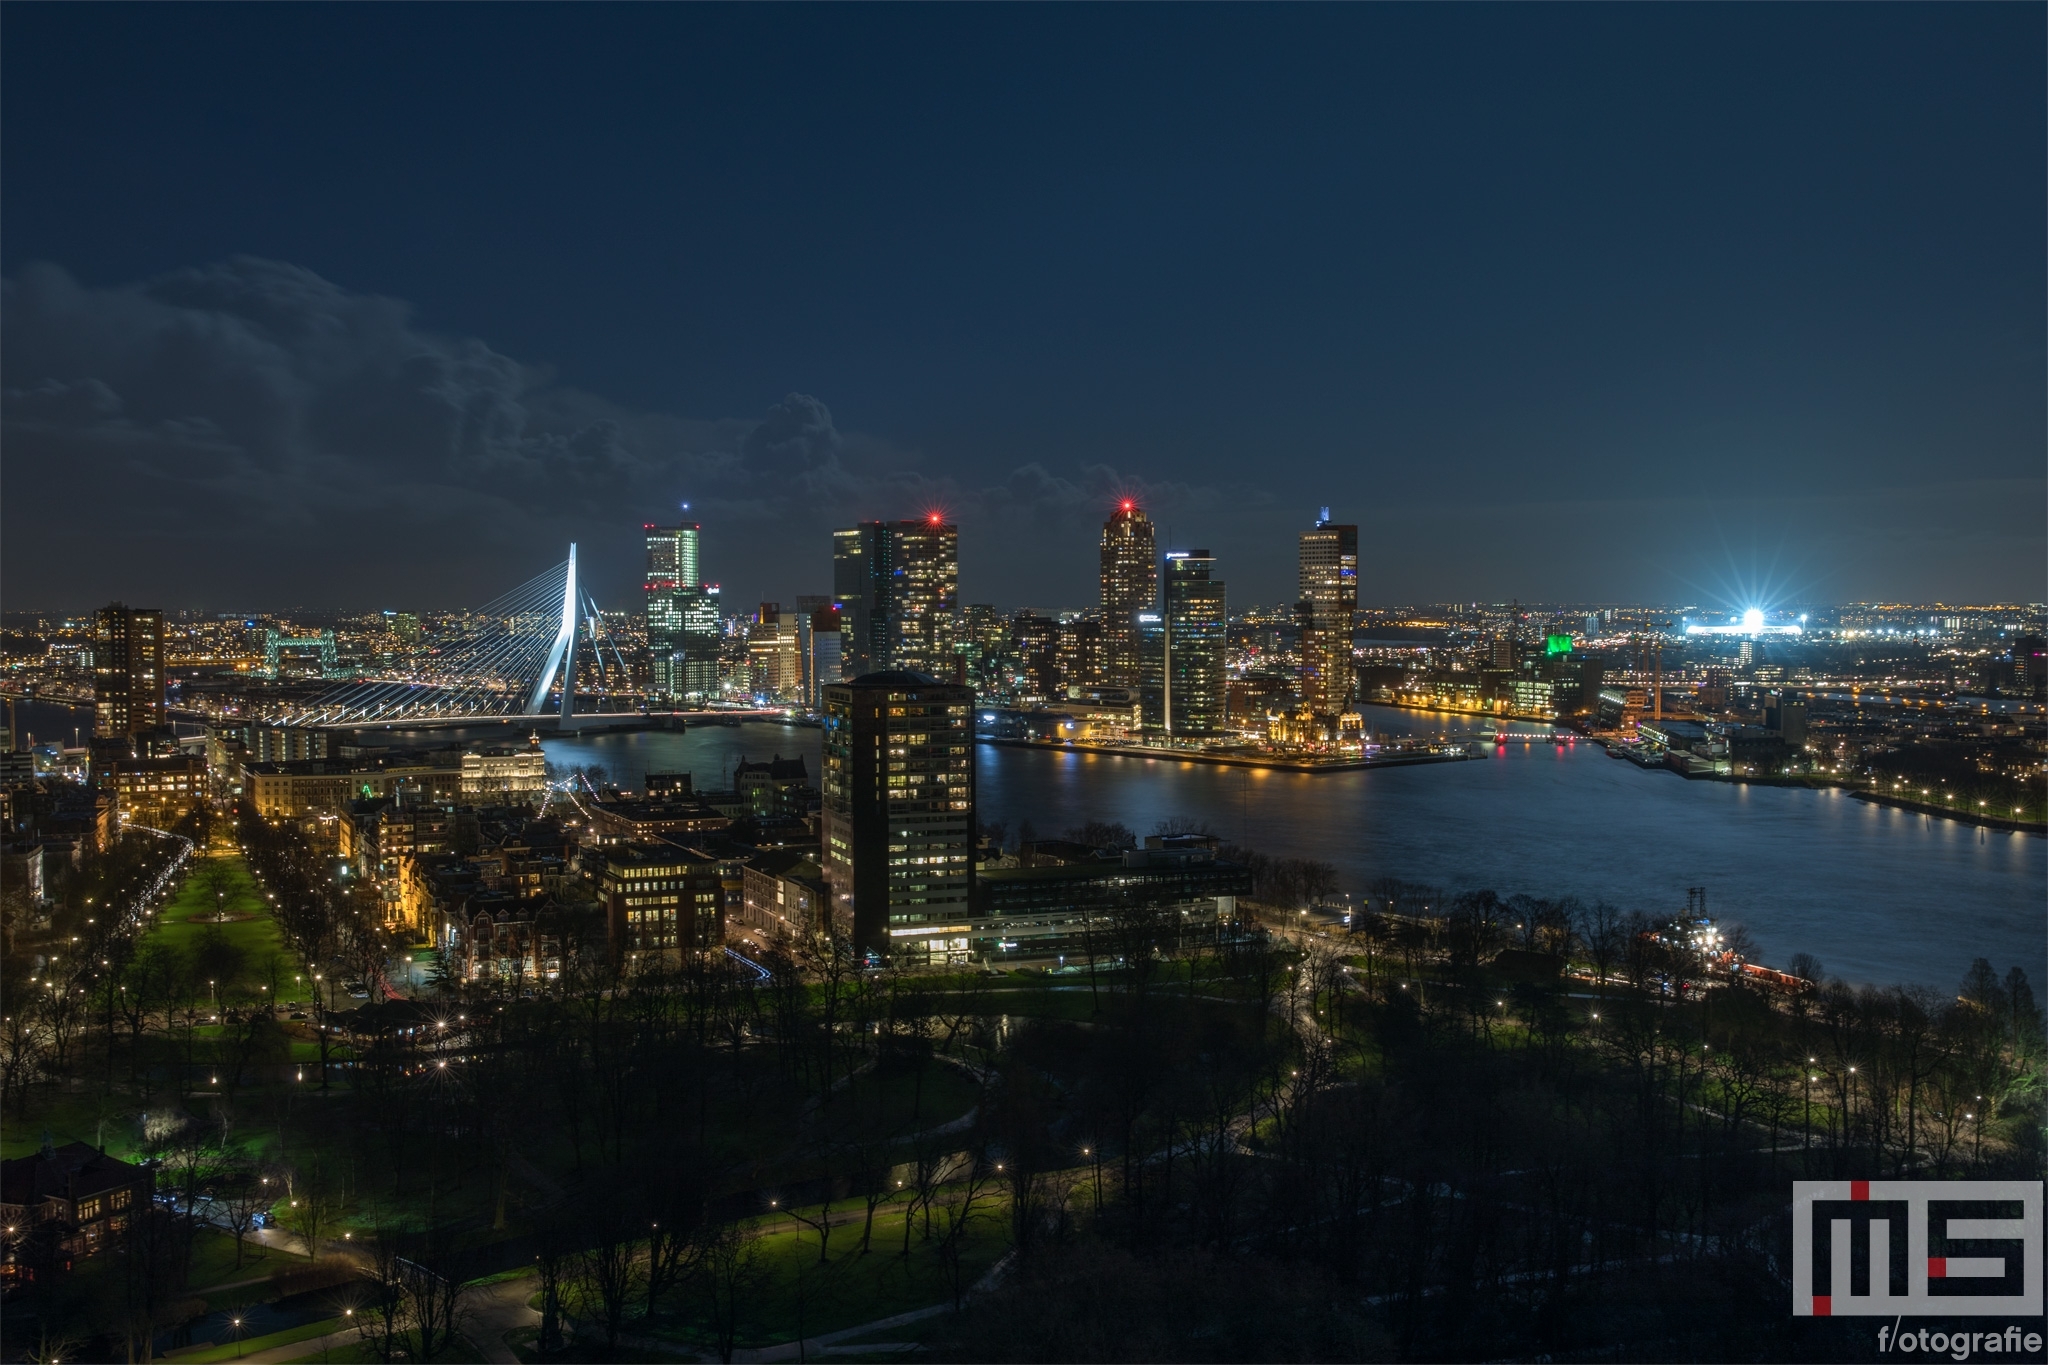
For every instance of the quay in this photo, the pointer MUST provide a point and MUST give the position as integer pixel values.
(1452, 753)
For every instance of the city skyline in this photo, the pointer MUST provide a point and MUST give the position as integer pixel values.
(1808, 341)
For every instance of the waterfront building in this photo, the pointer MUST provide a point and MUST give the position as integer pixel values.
(774, 657)
(1083, 651)
(1130, 585)
(823, 655)
(127, 671)
(985, 642)
(505, 775)
(697, 675)
(1152, 669)
(1325, 611)
(1035, 644)
(898, 814)
(1196, 634)
(1785, 713)
(671, 575)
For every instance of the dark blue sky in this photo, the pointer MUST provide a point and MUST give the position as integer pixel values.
(1594, 303)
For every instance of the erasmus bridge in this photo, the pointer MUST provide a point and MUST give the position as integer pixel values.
(517, 655)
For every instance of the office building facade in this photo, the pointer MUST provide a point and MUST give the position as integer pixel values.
(1196, 633)
(898, 814)
(774, 654)
(670, 577)
(1130, 585)
(1325, 610)
(127, 671)
(898, 589)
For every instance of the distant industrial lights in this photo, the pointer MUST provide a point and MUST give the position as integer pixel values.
(1751, 622)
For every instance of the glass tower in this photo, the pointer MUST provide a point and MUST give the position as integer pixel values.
(1130, 585)
(1197, 627)
(1325, 611)
(671, 578)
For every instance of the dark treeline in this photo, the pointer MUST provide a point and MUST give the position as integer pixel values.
(1473, 1127)
(1447, 1148)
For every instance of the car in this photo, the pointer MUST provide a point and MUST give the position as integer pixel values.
(298, 1014)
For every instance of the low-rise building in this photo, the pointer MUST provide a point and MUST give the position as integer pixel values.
(783, 895)
(157, 792)
(660, 899)
(504, 775)
(1173, 891)
(624, 820)
(75, 1194)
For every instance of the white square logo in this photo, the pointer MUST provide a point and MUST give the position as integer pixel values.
(1926, 1248)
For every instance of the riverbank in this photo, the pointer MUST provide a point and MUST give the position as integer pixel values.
(1226, 760)
(1948, 812)
(1962, 815)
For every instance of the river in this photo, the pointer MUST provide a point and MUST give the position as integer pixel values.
(1877, 894)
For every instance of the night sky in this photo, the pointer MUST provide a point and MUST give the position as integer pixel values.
(379, 306)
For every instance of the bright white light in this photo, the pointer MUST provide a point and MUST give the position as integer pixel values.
(1753, 619)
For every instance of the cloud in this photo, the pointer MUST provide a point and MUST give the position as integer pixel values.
(249, 430)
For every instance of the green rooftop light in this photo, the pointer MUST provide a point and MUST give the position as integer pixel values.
(1558, 644)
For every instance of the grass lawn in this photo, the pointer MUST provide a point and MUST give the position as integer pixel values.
(362, 1353)
(86, 1115)
(894, 1101)
(233, 1350)
(257, 937)
(798, 1295)
(213, 1262)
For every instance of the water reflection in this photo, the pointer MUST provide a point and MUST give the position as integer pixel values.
(1878, 894)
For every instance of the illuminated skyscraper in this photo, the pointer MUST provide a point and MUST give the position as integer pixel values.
(127, 671)
(925, 614)
(1197, 629)
(861, 569)
(898, 588)
(703, 637)
(1325, 611)
(671, 577)
(1130, 584)
(898, 817)
(775, 655)
(823, 641)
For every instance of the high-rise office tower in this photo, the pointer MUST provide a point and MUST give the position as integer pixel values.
(926, 610)
(1130, 584)
(1083, 651)
(774, 655)
(862, 568)
(823, 654)
(703, 639)
(985, 640)
(898, 587)
(671, 576)
(898, 814)
(1197, 629)
(1325, 611)
(127, 671)
(1035, 643)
